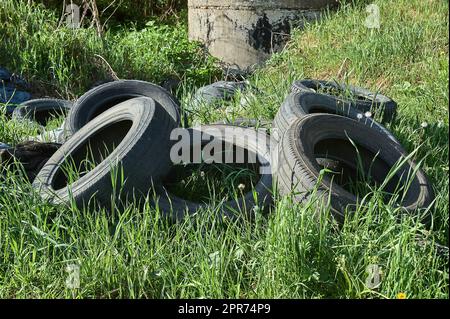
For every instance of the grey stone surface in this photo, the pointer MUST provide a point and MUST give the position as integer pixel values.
(264, 4)
(244, 33)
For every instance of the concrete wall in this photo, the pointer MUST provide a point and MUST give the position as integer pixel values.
(243, 33)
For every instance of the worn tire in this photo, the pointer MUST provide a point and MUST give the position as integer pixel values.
(326, 136)
(105, 96)
(364, 100)
(139, 128)
(219, 91)
(40, 110)
(31, 155)
(298, 105)
(176, 208)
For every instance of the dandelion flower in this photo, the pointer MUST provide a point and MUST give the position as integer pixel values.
(424, 124)
(401, 295)
(241, 187)
(368, 114)
(202, 174)
(359, 116)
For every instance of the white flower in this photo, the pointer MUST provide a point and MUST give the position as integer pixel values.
(202, 174)
(424, 124)
(359, 116)
(241, 187)
(368, 114)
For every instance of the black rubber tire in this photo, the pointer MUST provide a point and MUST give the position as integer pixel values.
(298, 105)
(40, 110)
(32, 155)
(140, 128)
(176, 208)
(219, 91)
(105, 96)
(364, 100)
(327, 136)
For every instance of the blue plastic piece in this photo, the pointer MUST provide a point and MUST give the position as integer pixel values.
(17, 80)
(9, 92)
(5, 75)
(4, 146)
(12, 96)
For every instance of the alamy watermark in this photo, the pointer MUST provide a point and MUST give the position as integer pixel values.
(373, 20)
(73, 276)
(72, 13)
(229, 145)
(373, 279)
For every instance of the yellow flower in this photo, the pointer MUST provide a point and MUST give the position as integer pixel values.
(401, 295)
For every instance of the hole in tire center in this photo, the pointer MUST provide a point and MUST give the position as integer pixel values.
(200, 182)
(91, 153)
(320, 109)
(357, 174)
(45, 116)
(109, 104)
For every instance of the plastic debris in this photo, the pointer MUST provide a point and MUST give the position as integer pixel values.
(4, 146)
(13, 96)
(53, 136)
(5, 75)
(10, 92)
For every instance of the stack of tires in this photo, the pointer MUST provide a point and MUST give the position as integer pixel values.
(318, 128)
(125, 128)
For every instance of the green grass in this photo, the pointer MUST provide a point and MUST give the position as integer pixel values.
(201, 182)
(62, 62)
(287, 253)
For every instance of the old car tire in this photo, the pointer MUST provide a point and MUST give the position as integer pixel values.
(218, 91)
(176, 208)
(137, 135)
(299, 105)
(41, 110)
(364, 100)
(31, 155)
(327, 136)
(105, 96)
